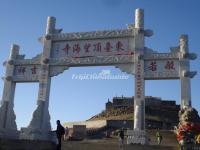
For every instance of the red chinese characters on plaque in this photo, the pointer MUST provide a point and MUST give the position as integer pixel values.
(76, 48)
(91, 48)
(119, 46)
(66, 48)
(108, 47)
(97, 47)
(34, 70)
(27, 71)
(156, 69)
(155, 66)
(21, 70)
(87, 47)
(170, 65)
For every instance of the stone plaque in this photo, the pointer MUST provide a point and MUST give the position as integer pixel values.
(161, 69)
(26, 73)
(91, 48)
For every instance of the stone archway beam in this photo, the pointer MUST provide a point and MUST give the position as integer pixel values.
(91, 61)
(119, 33)
(191, 56)
(189, 74)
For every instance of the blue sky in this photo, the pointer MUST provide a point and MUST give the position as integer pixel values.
(23, 22)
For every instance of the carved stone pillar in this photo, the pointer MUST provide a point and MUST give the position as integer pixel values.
(139, 99)
(138, 135)
(8, 127)
(40, 127)
(184, 70)
(139, 71)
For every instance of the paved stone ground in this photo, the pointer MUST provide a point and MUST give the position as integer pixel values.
(25, 145)
(103, 144)
(168, 143)
(110, 144)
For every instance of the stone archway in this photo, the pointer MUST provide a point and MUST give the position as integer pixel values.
(123, 48)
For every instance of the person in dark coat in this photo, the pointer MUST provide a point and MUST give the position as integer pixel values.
(121, 138)
(60, 131)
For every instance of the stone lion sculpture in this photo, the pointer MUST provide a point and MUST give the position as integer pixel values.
(188, 127)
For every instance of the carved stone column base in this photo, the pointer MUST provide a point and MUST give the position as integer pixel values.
(8, 127)
(41, 118)
(37, 134)
(137, 137)
(9, 133)
(40, 127)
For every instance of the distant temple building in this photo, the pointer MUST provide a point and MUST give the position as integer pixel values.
(120, 102)
(159, 114)
(125, 102)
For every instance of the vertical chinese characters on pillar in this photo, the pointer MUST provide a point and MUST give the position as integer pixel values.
(138, 79)
(43, 82)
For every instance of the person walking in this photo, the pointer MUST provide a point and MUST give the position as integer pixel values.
(121, 139)
(60, 131)
(158, 137)
(66, 133)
